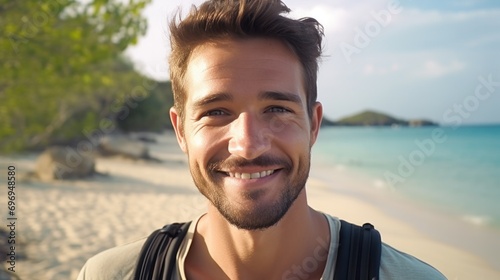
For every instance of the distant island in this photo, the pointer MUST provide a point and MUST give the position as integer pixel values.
(372, 118)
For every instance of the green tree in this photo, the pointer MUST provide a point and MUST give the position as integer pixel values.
(61, 66)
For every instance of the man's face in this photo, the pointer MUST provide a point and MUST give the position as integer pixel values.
(246, 130)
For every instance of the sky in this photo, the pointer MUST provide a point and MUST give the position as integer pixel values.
(437, 60)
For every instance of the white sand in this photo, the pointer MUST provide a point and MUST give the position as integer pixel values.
(65, 223)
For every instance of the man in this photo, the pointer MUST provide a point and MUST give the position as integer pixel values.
(246, 115)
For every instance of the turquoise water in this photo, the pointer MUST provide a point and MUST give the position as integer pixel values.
(454, 169)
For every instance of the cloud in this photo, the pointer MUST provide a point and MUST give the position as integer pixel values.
(420, 17)
(435, 69)
(330, 17)
(429, 48)
(371, 69)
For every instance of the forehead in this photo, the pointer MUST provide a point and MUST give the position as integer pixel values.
(256, 64)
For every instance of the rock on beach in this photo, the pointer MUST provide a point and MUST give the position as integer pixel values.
(63, 163)
(123, 146)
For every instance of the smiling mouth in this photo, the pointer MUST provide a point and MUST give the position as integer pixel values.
(248, 176)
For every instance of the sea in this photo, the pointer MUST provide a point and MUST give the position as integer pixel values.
(454, 169)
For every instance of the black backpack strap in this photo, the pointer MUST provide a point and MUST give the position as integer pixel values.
(359, 251)
(157, 259)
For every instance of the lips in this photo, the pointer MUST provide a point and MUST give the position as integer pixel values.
(248, 176)
(255, 170)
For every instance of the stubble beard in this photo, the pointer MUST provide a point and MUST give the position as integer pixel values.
(261, 215)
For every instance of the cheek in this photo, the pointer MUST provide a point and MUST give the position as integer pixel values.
(297, 143)
(198, 142)
(291, 133)
(205, 144)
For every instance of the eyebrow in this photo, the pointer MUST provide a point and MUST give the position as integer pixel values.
(281, 96)
(267, 95)
(213, 98)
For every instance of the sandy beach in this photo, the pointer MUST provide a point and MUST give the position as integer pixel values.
(64, 223)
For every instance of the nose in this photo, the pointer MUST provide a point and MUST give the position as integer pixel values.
(250, 138)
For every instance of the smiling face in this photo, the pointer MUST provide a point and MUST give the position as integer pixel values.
(246, 129)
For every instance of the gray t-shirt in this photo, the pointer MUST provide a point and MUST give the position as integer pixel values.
(119, 263)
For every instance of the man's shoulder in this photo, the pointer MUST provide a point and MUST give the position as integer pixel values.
(115, 263)
(395, 264)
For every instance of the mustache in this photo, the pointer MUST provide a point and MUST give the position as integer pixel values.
(261, 161)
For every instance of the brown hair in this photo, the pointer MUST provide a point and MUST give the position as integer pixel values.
(219, 19)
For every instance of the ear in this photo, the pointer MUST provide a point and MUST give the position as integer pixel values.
(178, 128)
(316, 118)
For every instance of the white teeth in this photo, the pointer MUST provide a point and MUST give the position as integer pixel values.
(256, 175)
(247, 176)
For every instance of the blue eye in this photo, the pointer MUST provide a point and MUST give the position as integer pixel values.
(215, 113)
(278, 110)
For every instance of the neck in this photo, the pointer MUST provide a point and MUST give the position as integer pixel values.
(226, 252)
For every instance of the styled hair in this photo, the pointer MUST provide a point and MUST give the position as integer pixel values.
(224, 19)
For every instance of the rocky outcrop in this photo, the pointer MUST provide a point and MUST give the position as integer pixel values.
(60, 163)
(372, 118)
(418, 123)
(118, 145)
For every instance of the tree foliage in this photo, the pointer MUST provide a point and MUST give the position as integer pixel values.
(61, 66)
(152, 113)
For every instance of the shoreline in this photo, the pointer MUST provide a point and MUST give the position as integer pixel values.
(66, 222)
